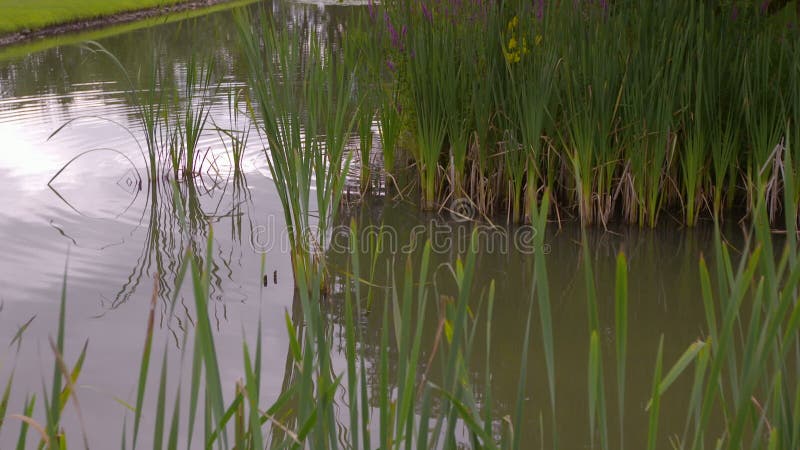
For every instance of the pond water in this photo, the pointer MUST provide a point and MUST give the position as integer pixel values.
(116, 231)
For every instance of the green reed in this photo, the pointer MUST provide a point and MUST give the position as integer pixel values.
(456, 107)
(364, 120)
(427, 81)
(655, 70)
(305, 112)
(238, 134)
(592, 79)
(626, 111)
(531, 66)
(764, 117)
(185, 155)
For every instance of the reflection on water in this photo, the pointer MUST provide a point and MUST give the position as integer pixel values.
(122, 232)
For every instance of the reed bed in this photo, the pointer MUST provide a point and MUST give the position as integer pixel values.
(625, 111)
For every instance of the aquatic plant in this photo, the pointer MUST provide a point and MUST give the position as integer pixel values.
(306, 114)
(185, 156)
(631, 115)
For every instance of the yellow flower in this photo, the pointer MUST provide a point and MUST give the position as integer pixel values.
(513, 24)
(538, 39)
(512, 43)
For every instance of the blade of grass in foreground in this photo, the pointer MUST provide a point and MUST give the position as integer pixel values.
(204, 338)
(4, 400)
(523, 372)
(144, 364)
(655, 402)
(621, 322)
(542, 287)
(23, 429)
(596, 385)
(53, 405)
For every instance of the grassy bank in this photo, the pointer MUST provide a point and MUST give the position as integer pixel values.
(36, 14)
(27, 47)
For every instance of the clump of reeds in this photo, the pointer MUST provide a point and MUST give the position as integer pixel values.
(172, 119)
(625, 111)
(301, 90)
(185, 155)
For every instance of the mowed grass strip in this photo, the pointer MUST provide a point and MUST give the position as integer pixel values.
(17, 15)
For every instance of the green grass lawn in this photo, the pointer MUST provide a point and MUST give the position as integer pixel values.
(16, 15)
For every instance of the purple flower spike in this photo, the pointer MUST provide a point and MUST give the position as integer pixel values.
(540, 9)
(394, 36)
(426, 12)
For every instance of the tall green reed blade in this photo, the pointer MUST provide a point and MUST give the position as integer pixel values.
(722, 350)
(487, 388)
(30, 403)
(593, 315)
(693, 156)
(4, 400)
(238, 134)
(254, 434)
(539, 214)
(385, 407)
(598, 415)
(457, 319)
(196, 104)
(764, 112)
(53, 403)
(158, 430)
(204, 338)
(427, 81)
(352, 375)
(409, 348)
(144, 364)
(695, 402)
(390, 122)
(516, 440)
(357, 379)
(456, 102)
(621, 338)
(655, 402)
